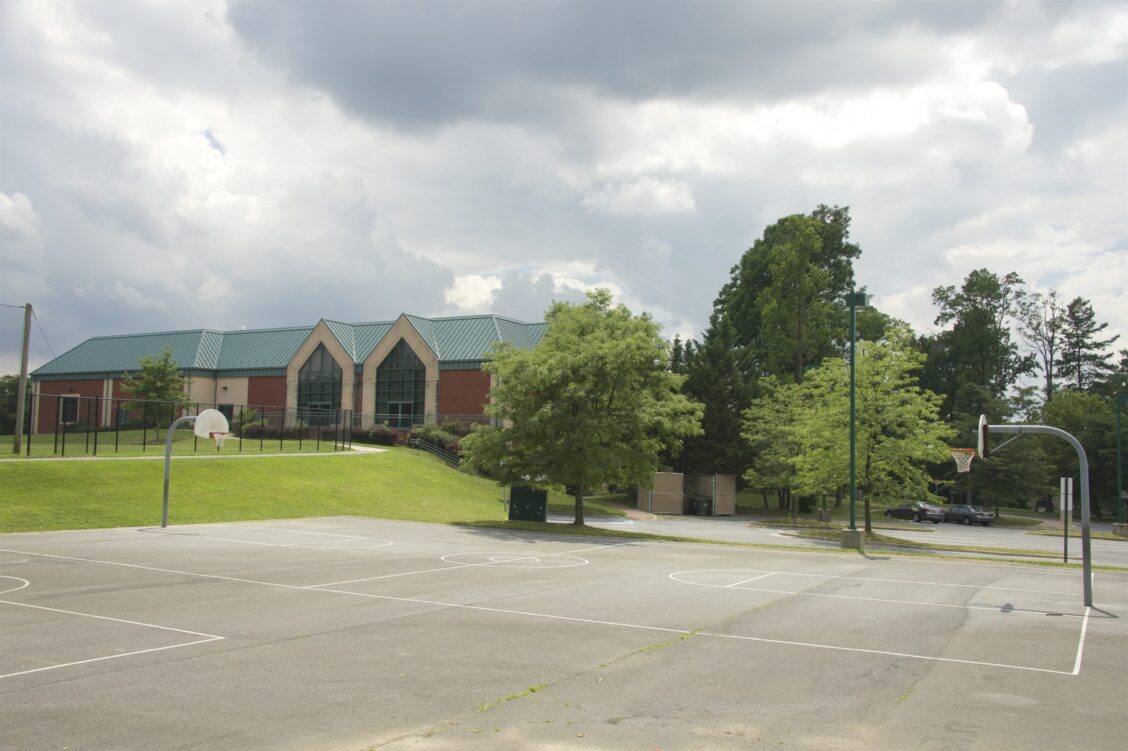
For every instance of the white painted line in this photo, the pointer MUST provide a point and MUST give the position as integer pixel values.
(917, 603)
(207, 638)
(437, 603)
(392, 576)
(509, 559)
(194, 536)
(108, 618)
(620, 624)
(888, 654)
(1081, 643)
(844, 555)
(109, 657)
(296, 531)
(754, 578)
(887, 581)
(26, 583)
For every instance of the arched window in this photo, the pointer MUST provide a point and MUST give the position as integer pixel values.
(319, 388)
(401, 384)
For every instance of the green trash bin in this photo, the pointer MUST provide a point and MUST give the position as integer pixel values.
(528, 504)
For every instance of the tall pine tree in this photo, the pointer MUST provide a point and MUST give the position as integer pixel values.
(1084, 357)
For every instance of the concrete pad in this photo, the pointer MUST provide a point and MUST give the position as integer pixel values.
(354, 633)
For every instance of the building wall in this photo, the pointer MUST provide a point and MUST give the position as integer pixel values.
(201, 390)
(463, 392)
(267, 391)
(320, 335)
(232, 391)
(48, 405)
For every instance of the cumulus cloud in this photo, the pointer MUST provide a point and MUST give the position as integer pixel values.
(240, 163)
(18, 219)
(644, 196)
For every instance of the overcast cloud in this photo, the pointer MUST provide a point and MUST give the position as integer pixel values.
(228, 164)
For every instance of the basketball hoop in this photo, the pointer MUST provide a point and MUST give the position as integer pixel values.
(219, 439)
(963, 459)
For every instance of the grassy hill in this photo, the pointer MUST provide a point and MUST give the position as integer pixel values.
(397, 484)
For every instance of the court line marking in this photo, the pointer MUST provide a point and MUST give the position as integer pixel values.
(991, 608)
(469, 565)
(870, 579)
(25, 584)
(207, 638)
(597, 622)
(344, 539)
(1081, 642)
(1076, 670)
(841, 555)
(754, 578)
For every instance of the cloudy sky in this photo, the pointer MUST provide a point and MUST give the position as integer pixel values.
(175, 165)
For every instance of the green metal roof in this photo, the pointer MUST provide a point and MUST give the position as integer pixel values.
(262, 348)
(461, 338)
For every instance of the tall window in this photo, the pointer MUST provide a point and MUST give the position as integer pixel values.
(401, 384)
(68, 411)
(319, 388)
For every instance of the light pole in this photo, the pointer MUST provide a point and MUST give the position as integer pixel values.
(854, 300)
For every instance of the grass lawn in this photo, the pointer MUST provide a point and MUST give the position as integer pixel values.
(397, 484)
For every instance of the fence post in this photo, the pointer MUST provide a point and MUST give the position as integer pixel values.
(97, 421)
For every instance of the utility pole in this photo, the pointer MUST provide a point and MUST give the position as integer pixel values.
(21, 389)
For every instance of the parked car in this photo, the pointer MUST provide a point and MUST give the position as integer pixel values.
(918, 511)
(969, 515)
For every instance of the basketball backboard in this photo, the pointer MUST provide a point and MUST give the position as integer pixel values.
(210, 421)
(984, 447)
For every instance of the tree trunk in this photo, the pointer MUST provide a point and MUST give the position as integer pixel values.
(764, 495)
(838, 497)
(579, 495)
(793, 502)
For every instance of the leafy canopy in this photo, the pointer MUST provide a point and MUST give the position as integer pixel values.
(159, 379)
(593, 403)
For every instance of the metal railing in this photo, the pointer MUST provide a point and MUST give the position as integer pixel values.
(430, 448)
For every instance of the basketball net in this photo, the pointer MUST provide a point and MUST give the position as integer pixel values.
(219, 439)
(963, 459)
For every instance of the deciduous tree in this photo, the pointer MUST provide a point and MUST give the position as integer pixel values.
(159, 379)
(898, 427)
(593, 403)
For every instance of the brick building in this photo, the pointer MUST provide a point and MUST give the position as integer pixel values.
(404, 372)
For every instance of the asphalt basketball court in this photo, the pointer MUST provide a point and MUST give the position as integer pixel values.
(344, 633)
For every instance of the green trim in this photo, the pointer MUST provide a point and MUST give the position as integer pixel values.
(462, 365)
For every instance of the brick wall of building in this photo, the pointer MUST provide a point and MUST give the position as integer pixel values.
(463, 392)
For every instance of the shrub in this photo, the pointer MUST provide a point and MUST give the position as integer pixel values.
(436, 436)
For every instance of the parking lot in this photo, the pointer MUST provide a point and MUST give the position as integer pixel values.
(344, 633)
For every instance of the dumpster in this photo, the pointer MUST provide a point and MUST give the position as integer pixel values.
(528, 504)
(702, 505)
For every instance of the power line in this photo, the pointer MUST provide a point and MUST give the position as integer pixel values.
(44, 335)
(6, 305)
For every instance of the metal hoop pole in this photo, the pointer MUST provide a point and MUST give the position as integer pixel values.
(1086, 547)
(168, 461)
